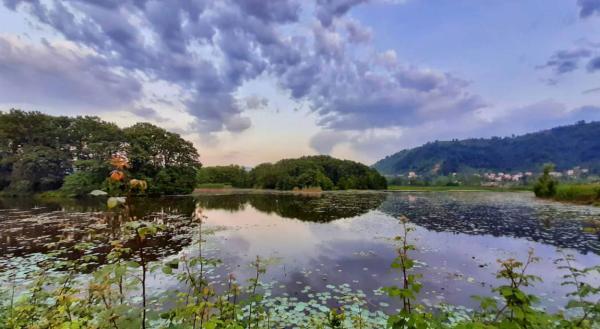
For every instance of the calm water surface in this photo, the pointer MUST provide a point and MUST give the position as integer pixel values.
(316, 243)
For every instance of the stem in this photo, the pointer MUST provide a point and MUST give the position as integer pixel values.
(581, 300)
(143, 264)
(12, 294)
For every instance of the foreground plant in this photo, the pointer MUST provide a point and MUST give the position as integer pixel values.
(412, 314)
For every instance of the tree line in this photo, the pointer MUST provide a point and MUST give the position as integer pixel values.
(321, 171)
(40, 152)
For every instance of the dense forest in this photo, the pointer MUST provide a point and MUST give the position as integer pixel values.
(39, 153)
(565, 147)
(322, 172)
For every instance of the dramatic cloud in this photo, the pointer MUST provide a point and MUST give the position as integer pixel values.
(59, 76)
(565, 61)
(357, 33)
(327, 10)
(594, 64)
(366, 95)
(256, 103)
(208, 49)
(591, 91)
(147, 113)
(324, 141)
(588, 7)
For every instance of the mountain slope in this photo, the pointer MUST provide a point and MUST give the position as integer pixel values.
(566, 147)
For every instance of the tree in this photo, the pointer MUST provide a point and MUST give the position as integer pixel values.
(38, 169)
(38, 152)
(545, 187)
(322, 172)
(233, 175)
(164, 159)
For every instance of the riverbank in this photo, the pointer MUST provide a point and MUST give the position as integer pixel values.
(588, 194)
(227, 189)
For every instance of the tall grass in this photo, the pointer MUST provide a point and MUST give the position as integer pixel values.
(582, 193)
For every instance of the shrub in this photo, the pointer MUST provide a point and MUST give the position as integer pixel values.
(546, 185)
(80, 183)
(173, 180)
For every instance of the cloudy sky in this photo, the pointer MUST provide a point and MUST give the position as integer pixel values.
(250, 81)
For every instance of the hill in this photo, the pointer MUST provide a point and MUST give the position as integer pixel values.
(566, 147)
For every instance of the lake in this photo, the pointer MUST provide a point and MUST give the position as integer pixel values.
(325, 246)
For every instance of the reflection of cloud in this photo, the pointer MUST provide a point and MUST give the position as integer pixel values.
(361, 249)
(264, 234)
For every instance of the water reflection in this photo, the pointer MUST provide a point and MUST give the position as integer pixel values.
(312, 207)
(319, 240)
(30, 226)
(517, 215)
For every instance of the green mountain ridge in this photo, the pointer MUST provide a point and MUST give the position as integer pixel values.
(564, 146)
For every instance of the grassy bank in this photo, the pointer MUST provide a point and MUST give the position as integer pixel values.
(581, 193)
(213, 186)
(456, 188)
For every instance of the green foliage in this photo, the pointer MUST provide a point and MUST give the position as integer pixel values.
(173, 180)
(545, 187)
(583, 293)
(567, 147)
(582, 193)
(514, 309)
(152, 148)
(322, 172)
(39, 152)
(80, 183)
(235, 176)
(311, 172)
(37, 169)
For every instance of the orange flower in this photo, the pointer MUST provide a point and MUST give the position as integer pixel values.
(117, 175)
(119, 161)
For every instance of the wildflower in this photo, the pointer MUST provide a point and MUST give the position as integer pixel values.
(119, 161)
(117, 175)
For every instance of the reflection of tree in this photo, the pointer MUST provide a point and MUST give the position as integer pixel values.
(142, 206)
(33, 226)
(322, 207)
(472, 214)
(229, 202)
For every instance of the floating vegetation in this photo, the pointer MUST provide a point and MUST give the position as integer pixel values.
(329, 261)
